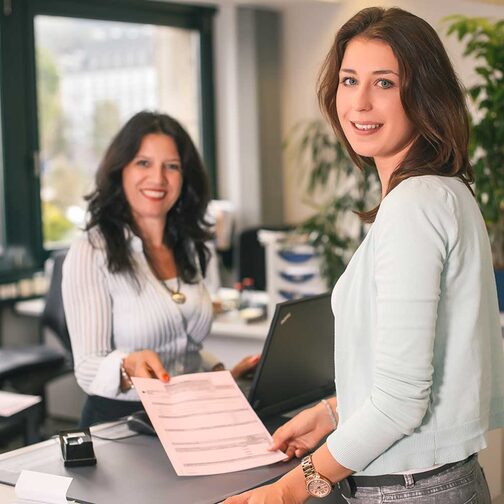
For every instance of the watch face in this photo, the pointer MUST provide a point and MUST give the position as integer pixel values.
(319, 488)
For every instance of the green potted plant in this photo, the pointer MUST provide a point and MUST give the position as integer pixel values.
(335, 190)
(484, 40)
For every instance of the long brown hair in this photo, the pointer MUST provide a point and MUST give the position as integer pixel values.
(431, 95)
(186, 229)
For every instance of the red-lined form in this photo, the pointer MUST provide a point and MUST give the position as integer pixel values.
(205, 424)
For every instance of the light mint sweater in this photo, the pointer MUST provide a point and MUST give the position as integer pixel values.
(419, 368)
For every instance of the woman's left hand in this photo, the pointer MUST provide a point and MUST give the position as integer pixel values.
(277, 493)
(246, 365)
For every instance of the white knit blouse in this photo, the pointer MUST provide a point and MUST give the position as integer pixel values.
(109, 315)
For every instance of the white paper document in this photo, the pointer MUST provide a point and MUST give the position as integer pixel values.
(11, 403)
(40, 488)
(206, 424)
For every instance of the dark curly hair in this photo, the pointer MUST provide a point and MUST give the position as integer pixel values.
(186, 229)
(431, 94)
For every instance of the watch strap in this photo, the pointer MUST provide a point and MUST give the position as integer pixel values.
(308, 468)
(310, 473)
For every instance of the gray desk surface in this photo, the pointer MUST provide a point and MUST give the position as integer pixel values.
(132, 471)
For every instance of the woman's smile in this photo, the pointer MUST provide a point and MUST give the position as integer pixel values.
(366, 127)
(153, 194)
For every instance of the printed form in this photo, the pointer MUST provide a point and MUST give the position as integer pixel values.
(206, 424)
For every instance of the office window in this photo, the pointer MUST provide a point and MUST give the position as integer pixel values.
(80, 70)
(91, 77)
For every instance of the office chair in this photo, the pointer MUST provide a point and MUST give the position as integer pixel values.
(53, 316)
(28, 369)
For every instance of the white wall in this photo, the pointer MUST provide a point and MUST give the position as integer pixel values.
(233, 144)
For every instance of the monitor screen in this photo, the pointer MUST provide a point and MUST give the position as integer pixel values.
(297, 362)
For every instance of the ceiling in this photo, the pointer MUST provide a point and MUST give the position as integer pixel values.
(284, 3)
(280, 3)
(494, 2)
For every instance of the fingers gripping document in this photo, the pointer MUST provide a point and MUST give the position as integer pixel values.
(205, 424)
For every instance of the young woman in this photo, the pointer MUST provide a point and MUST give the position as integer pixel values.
(418, 351)
(133, 290)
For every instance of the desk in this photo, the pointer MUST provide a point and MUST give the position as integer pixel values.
(30, 308)
(6, 494)
(132, 471)
(29, 418)
(150, 482)
(230, 338)
(7, 311)
(220, 327)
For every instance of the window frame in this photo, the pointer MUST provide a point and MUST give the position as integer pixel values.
(22, 223)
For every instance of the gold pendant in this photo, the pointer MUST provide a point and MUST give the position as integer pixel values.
(178, 297)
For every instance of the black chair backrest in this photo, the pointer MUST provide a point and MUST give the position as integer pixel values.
(53, 315)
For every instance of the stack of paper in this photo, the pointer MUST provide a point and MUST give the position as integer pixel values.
(40, 488)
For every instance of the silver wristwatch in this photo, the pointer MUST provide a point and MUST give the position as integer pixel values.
(316, 484)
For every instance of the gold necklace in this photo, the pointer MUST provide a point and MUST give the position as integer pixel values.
(177, 296)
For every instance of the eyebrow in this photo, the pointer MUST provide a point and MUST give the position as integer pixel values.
(148, 157)
(376, 72)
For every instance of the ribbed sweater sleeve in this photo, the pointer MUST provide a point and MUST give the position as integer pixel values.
(412, 236)
(88, 311)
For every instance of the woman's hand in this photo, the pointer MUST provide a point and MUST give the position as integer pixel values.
(145, 364)
(302, 434)
(277, 493)
(246, 365)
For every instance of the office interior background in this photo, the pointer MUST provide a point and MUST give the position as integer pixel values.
(239, 74)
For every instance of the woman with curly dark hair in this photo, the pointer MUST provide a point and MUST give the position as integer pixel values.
(133, 289)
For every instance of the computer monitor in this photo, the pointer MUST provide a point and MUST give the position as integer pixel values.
(297, 362)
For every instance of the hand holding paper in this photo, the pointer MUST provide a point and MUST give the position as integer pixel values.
(205, 424)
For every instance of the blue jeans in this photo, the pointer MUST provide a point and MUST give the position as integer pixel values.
(461, 484)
